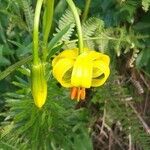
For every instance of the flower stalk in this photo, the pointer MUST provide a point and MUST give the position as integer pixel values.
(38, 81)
(78, 24)
(35, 32)
(86, 10)
(47, 24)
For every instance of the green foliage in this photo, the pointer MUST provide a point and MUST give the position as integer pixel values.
(117, 27)
(143, 60)
(115, 12)
(66, 19)
(113, 99)
(13, 31)
(13, 67)
(56, 125)
(4, 60)
(90, 28)
(28, 12)
(57, 39)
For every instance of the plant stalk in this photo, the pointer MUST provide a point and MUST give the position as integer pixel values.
(86, 10)
(35, 32)
(47, 24)
(78, 24)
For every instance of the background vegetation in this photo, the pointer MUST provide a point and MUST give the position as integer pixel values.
(115, 116)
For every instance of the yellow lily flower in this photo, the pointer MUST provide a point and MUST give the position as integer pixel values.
(80, 71)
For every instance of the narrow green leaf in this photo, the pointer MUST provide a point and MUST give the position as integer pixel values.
(54, 50)
(13, 67)
(57, 38)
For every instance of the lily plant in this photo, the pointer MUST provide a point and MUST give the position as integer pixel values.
(78, 68)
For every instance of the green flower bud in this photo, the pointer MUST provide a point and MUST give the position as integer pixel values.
(39, 85)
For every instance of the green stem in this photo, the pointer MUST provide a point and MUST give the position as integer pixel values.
(86, 10)
(47, 23)
(35, 32)
(78, 24)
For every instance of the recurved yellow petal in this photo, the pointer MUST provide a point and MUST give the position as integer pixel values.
(61, 71)
(70, 53)
(101, 72)
(105, 59)
(93, 55)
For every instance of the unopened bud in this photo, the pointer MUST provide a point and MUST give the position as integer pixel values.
(39, 85)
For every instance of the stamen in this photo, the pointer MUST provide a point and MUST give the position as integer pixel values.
(83, 94)
(78, 93)
(74, 92)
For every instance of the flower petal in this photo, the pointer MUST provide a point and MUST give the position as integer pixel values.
(70, 53)
(93, 55)
(82, 72)
(101, 74)
(60, 70)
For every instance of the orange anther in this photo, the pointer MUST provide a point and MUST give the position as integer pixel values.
(74, 92)
(83, 94)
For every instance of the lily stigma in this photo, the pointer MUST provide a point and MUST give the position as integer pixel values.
(80, 71)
